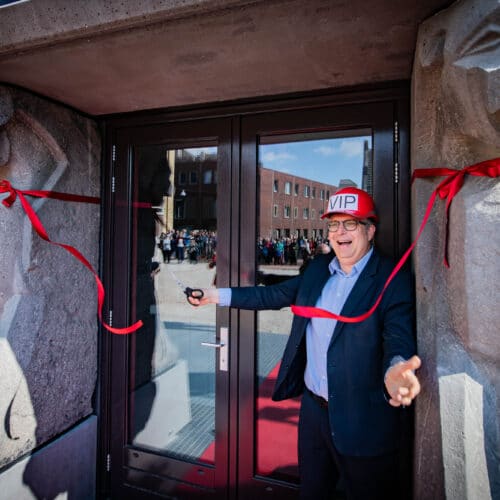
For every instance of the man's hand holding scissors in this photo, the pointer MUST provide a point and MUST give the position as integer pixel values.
(191, 293)
(209, 296)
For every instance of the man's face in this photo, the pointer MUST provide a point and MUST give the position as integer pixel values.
(350, 246)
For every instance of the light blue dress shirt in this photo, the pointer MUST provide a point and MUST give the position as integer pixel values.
(320, 330)
(224, 297)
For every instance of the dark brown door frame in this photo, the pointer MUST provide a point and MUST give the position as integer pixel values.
(264, 111)
(123, 461)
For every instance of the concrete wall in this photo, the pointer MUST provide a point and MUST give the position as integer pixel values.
(115, 56)
(456, 123)
(48, 323)
(64, 469)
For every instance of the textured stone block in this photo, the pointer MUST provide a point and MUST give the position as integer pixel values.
(48, 324)
(465, 470)
(456, 123)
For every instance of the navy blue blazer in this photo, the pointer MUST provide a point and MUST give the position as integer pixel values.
(361, 420)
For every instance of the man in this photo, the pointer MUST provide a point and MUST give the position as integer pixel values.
(356, 378)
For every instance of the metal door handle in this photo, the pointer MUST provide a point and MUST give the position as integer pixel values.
(216, 345)
(223, 348)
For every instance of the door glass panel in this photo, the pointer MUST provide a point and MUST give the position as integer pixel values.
(172, 375)
(297, 175)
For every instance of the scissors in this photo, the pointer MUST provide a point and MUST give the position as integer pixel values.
(195, 293)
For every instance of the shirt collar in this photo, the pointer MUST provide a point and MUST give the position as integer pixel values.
(334, 265)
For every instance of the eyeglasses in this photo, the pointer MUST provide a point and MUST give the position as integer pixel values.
(349, 225)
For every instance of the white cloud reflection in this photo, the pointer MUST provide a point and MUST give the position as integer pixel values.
(271, 156)
(349, 149)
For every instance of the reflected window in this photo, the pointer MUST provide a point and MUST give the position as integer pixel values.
(207, 176)
(296, 190)
(209, 207)
(286, 212)
(275, 186)
(288, 187)
(180, 209)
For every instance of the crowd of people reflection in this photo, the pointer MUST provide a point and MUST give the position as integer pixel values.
(200, 244)
(195, 245)
(290, 250)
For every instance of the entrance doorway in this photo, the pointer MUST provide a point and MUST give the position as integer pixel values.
(228, 201)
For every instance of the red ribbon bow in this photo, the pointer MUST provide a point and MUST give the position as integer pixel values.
(450, 186)
(6, 187)
(447, 188)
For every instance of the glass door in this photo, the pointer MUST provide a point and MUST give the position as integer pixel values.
(170, 378)
(187, 409)
(292, 162)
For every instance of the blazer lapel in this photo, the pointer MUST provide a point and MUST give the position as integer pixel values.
(355, 298)
(316, 282)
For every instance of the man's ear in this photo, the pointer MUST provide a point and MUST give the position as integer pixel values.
(371, 232)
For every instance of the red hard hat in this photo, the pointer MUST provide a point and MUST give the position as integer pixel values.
(351, 201)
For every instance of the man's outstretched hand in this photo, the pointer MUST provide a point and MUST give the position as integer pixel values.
(401, 382)
(210, 296)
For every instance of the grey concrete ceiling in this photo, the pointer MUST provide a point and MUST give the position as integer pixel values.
(111, 57)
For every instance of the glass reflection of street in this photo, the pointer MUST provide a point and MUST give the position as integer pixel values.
(182, 418)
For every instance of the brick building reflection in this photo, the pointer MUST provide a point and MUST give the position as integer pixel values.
(288, 205)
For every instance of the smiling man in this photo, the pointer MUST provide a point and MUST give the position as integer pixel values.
(356, 378)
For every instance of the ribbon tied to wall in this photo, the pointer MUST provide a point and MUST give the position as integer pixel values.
(446, 189)
(8, 201)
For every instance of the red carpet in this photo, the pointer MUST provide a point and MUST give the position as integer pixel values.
(276, 434)
(208, 456)
(276, 431)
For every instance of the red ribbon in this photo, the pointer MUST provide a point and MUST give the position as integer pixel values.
(6, 187)
(450, 186)
(447, 188)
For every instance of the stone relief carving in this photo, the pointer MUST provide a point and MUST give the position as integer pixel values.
(459, 54)
(39, 329)
(456, 123)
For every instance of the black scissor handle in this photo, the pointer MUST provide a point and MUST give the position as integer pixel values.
(195, 293)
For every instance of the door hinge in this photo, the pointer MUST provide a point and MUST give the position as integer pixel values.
(113, 160)
(396, 152)
(108, 462)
